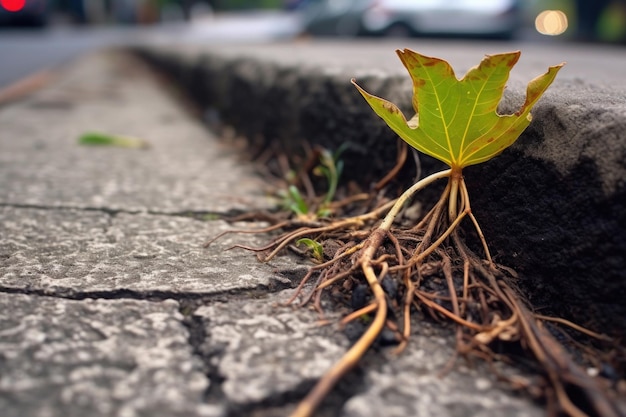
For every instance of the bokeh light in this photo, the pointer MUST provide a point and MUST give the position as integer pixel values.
(13, 5)
(551, 22)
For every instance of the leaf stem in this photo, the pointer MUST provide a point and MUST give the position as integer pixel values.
(453, 197)
(391, 215)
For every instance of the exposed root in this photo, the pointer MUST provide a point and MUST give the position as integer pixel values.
(476, 294)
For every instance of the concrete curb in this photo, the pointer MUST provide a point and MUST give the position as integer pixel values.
(552, 205)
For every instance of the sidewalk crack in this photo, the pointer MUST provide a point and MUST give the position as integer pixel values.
(203, 215)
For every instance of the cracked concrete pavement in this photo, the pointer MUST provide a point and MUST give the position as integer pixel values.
(110, 306)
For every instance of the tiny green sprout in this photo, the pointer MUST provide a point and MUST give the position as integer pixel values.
(330, 167)
(315, 247)
(296, 203)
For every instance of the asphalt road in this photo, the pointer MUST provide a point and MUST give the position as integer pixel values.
(26, 51)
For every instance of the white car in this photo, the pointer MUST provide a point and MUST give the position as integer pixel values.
(484, 18)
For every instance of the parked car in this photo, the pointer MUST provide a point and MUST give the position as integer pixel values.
(23, 12)
(485, 18)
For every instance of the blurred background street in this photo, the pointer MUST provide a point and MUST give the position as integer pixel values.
(40, 34)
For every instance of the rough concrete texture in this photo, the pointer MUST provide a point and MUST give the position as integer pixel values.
(551, 206)
(43, 165)
(110, 306)
(278, 354)
(97, 358)
(77, 253)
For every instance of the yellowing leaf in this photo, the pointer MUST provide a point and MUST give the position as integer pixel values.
(456, 120)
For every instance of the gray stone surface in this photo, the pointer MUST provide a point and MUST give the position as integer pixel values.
(463, 392)
(97, 358)
(551, 206)
(43, 164)
(74, 252)
(266, 352)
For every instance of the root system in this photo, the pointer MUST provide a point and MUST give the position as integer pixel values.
(368, 241)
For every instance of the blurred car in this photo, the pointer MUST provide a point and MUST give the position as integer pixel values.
(23, 12)
(484, 18)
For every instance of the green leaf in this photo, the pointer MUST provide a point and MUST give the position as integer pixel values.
(103, 139)
(296, 202)
(456, 120)
(315, 247)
